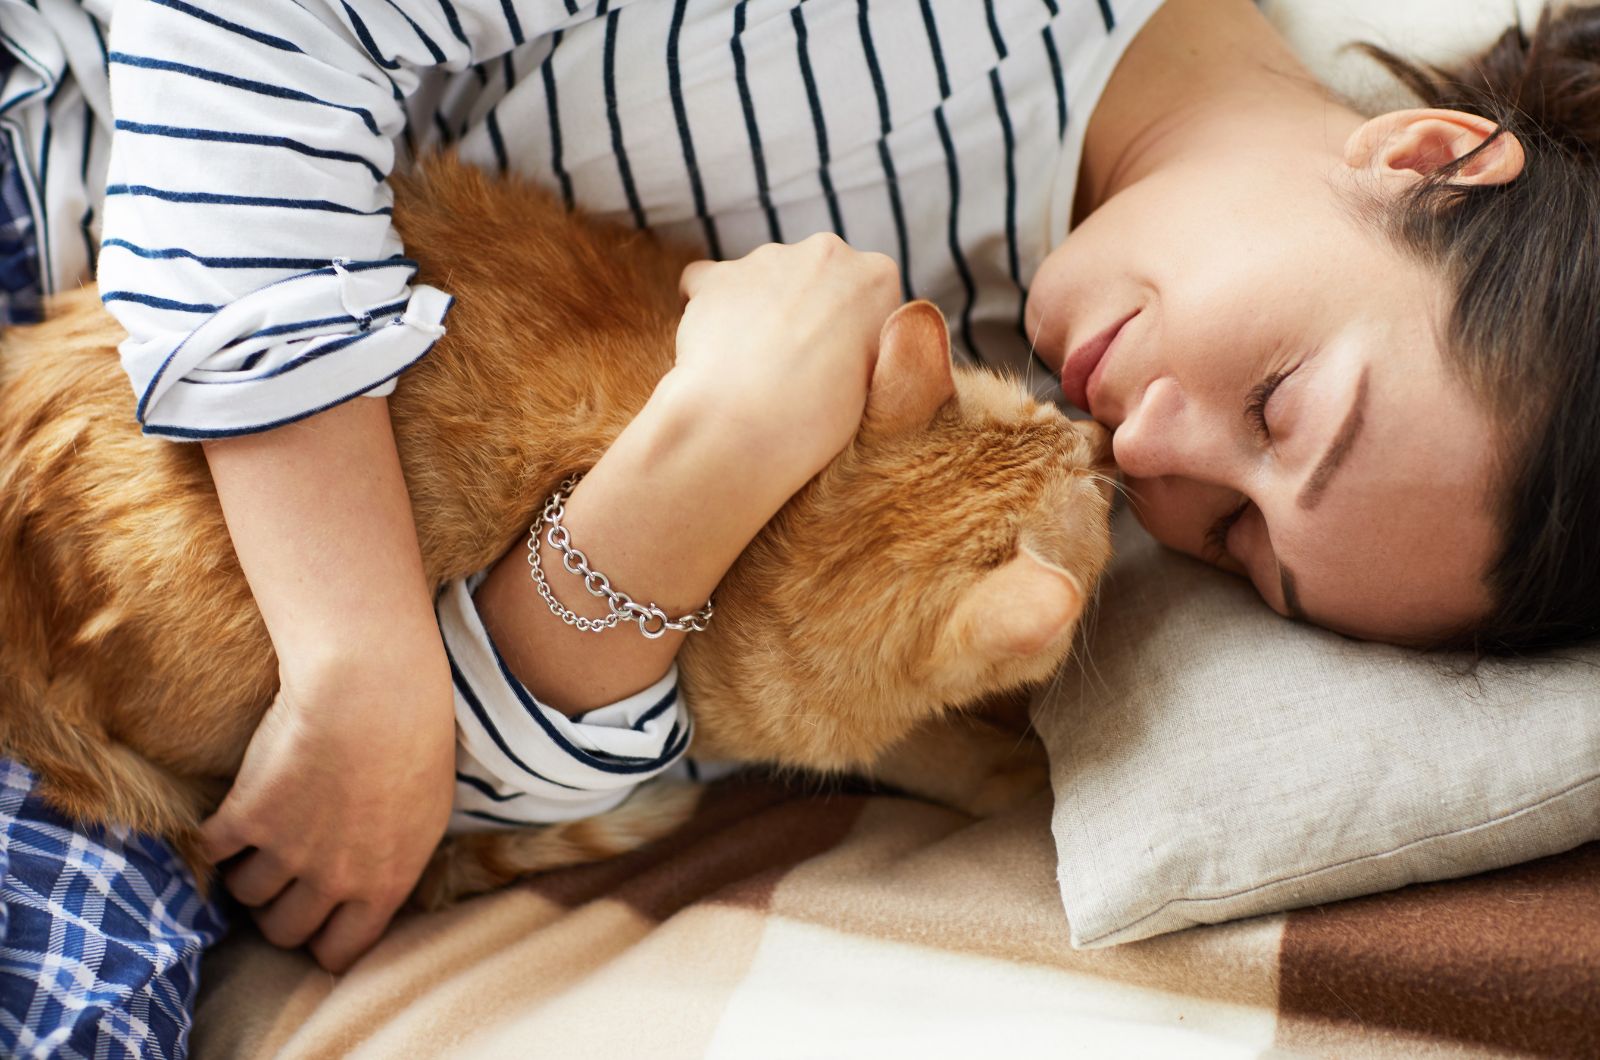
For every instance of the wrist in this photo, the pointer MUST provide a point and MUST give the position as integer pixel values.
(727, 432)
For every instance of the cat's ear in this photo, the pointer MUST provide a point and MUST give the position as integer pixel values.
(1016, 610)
(912, 377)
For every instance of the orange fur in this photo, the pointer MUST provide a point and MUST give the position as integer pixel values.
(134, 666)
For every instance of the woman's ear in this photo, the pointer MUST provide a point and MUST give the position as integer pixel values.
(1411, 144)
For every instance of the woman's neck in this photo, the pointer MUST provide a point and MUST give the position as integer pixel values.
(1203, 75)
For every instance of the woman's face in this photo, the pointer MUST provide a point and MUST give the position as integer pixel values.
(1278, 394)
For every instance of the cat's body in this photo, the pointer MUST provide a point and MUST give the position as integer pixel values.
(134, 666)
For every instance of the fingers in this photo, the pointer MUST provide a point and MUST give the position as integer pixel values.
(257, 878)
(294, 916)
(351, 932)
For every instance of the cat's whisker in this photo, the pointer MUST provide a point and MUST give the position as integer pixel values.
(1033, 346)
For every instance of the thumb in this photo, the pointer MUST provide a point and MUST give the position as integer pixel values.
(694, 277)
(220, 835)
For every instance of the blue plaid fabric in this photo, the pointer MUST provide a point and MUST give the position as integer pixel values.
(19, 243)
(101, 932)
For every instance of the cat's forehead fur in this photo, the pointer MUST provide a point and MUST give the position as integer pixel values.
(867, 581)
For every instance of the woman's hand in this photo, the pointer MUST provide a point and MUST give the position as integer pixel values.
(342, 796)
(783, 340)
(774, 354)
(345, 788)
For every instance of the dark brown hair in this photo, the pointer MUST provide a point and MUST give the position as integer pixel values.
(1523, 260)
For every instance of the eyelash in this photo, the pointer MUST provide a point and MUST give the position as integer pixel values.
(1216, 540)
(1255, 412)
(1255, 406)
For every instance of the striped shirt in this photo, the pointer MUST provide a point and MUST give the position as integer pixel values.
(234, 203)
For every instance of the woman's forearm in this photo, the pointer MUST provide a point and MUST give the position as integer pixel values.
(322, 525)
(663, 515)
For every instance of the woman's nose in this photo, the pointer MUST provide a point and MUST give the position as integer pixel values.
(1168, 435)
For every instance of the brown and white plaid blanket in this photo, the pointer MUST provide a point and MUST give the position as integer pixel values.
(782, 924)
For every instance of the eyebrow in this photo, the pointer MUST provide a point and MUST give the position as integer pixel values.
(1315, 486)
(1343, 442)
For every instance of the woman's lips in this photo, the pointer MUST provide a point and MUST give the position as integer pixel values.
(1083, 367)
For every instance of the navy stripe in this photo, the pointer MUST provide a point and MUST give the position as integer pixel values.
(47, 274)
(252, 263)
(1004, 112)
(221, 136)
(449, 10)
(508, 70)
(497, 819)
(1061, 86)
(752, 130)
(258, 87)
(553, 116)
(368, 45)
(685, 135)
(237, 377)
(885, 157)
(483, 75)
(366, 319)
(321, 322)
(159, 303)
(1050, 5)
(485, 789)
(427, 41)
(817, 120)
(994, 29)
(1106, 15)
(659, 709)
(648, 716)
(100, 39)
(212, 198)
(572, 7)
(86, 226)
(513, 23)
(232, 27)
(953, 234)
(443, 128)
(88, 143)
(588, 758)
(313, 354)
(1009, 136)
(198, 434)
(465, 689)
(495, 140)
(938, 52)
(624, 170)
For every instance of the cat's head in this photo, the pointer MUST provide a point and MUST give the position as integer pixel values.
(948, 553)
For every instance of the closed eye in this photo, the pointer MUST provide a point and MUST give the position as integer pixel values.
(1255, 406)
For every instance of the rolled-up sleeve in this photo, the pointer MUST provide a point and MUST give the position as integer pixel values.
(519, 761)
(247, 244)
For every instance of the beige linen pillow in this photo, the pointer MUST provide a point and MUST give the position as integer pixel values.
(1212, 760)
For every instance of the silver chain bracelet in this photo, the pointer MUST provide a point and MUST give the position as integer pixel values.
(653, 622)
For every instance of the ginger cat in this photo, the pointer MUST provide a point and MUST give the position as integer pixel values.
(944, 556)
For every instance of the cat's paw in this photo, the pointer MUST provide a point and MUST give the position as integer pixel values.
(968, 764)
(1017, 774)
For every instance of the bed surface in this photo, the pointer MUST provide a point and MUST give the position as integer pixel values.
(786, 924)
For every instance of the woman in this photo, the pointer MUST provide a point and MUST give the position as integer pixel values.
(1333, 360)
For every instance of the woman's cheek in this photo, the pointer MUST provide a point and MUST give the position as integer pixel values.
(1174, 511)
